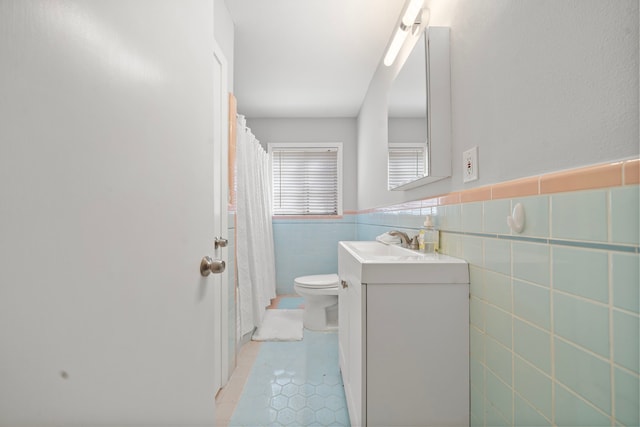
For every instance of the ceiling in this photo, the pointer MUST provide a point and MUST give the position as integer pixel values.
(308, 58)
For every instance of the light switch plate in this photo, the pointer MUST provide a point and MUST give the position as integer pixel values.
(470, 165)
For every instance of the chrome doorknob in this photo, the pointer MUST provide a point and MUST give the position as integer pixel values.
(209, 265)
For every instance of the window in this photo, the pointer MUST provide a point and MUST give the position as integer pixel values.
(406, 163)
(306, 178)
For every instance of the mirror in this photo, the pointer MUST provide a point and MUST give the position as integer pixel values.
(419, 114)
(407, 119)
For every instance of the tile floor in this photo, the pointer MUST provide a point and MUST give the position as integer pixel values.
(286, 383)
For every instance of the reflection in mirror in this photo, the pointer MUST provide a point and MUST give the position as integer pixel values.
(419, 125)
(407, 119)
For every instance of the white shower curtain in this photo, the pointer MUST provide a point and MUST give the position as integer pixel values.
(255, 250)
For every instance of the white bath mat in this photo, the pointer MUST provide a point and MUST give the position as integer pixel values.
(280, 325)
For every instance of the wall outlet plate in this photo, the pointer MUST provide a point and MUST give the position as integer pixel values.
(470, 165)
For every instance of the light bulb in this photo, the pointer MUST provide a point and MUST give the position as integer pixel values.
(394, 47)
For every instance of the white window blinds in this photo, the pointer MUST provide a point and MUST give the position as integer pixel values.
(306, 180)
(405, 164)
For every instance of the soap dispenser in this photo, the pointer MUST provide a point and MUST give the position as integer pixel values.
(430, 237)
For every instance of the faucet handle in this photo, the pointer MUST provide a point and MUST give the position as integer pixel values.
(414, 243)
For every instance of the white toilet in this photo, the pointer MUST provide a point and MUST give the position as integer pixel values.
(320, 293)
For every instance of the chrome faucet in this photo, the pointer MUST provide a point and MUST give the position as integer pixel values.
(406, 241)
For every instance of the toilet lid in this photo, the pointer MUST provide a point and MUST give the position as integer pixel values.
(318, 281)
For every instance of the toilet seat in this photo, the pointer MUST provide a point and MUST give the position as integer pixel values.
(318, 281)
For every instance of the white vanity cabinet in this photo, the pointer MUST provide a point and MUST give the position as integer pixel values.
(351, 344)
(403, 336)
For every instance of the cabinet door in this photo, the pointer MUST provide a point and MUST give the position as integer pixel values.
(417, 354)
(351, 344)
(343, 331)
(356, 361)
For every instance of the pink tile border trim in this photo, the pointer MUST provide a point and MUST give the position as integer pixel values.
(602, 176)
(632, 172)
(613, 174)
(517, 188)
(476, 195)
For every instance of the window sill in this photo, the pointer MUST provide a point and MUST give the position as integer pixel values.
(307, 217)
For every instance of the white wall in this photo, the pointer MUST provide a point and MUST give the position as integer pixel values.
(538, 86)
(315, 130)
(106, 140)
(224, 34)
(411, 130)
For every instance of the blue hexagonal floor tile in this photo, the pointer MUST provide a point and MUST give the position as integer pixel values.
(301, 382)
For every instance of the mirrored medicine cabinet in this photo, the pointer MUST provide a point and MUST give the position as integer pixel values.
(419, 114)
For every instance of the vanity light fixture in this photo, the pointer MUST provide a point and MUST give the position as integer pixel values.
(411, 13)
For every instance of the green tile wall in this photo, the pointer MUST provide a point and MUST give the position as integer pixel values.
(554, 310)
(626, 276)
(532, 344)
(581, 215)
(582, 322)
(581, 272)
(533, 386)
(494, 216)
(625, 208)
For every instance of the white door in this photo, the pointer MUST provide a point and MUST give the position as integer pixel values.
(112, 189)
(220, 220)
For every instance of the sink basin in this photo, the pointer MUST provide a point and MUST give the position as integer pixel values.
(370, 250)
(381, 263)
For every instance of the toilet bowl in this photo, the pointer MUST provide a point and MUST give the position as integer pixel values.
(320, 293)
